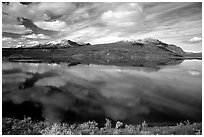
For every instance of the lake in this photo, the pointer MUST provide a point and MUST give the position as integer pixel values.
(56, 92)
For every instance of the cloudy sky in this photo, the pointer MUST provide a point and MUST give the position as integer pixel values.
(32, 23)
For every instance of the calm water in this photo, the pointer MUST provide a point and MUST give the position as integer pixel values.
(83, 92)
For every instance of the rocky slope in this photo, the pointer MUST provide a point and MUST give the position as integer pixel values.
(159, 44)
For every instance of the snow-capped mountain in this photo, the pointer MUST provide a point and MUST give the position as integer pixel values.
(60, 44)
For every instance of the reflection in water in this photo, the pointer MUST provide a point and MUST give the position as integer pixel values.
(83, 92)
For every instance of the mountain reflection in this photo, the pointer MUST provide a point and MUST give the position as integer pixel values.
(84, 92)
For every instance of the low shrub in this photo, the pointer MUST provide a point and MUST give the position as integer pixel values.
(11, 126)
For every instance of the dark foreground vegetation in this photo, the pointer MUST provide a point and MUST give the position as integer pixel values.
(26, 126)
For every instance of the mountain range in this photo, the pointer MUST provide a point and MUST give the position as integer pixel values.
(62, 44)
(147, 43)
(147, 52)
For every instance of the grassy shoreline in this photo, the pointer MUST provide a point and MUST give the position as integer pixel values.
(27, 126)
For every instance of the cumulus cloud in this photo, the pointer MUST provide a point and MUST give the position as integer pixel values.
(125, 15)
(54, 25)
(19, 29)
(30, 12)
(34, 36)
(194, 73)
(6, 39)
(195, 39)
(59, 8)
(107, 22)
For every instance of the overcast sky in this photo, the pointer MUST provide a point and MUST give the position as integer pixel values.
(33, 23)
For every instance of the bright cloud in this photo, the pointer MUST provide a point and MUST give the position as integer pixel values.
(195, 39)
(34, 36)
(54, 25)
(126, 15)
(6, 39)
(96, 22)
(194, 73)
(19, 29)
(33, 42)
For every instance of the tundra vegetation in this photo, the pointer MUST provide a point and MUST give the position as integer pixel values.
(27, 126)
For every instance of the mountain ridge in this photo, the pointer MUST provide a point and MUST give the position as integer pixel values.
(145, 53)
(140, 42)
(61, 44)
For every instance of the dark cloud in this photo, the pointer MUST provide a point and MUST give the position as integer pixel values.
(25, 3)
(6, 3)
(36, 30)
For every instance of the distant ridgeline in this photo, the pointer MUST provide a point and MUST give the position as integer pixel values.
(142, 52)
(149, 42)
(62, 44)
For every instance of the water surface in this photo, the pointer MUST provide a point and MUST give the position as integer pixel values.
(132, 94)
